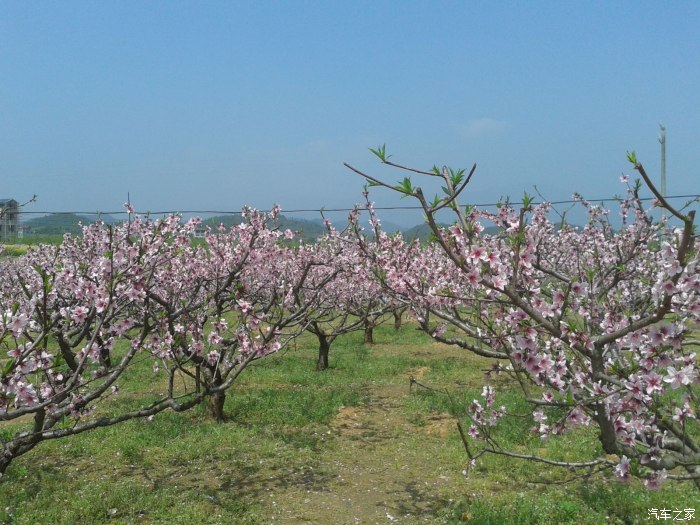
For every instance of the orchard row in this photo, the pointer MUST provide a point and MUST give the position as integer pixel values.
(594, 325)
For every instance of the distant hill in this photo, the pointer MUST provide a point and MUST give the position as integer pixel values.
(423, 233)
(310, 229)
(391, 227)
(60, 223)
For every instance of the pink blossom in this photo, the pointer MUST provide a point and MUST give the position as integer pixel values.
(669, 288)
(655, 480)
(26, 395)
(578, 417)
(558, 298)
(676, 378)
(622, 469)
(577, 289)
(654, 382)
(79, 314)
(498, 282)
(16, 352)
(18, 323)
(473, 277)
(244, 306)
(478, 254)
(197, 347)
(214, 338)
(440, 330)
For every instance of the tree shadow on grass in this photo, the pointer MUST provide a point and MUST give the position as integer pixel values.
(420, 500)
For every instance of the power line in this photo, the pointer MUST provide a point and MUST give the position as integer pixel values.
(319, 210)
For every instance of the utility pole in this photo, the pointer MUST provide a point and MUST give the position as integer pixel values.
(662, 141)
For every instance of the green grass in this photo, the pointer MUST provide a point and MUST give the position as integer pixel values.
(13, 250)
(299, 446)
(34, 239)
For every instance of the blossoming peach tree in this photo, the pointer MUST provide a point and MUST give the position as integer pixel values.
(76, 317)
(596, 326)
(351, 300)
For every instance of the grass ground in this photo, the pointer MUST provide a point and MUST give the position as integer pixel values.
(352, 445)
(13, 250)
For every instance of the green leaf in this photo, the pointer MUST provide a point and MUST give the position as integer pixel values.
(456, 176)
(58, 360)
(405, 186)
(570, 398)
(632, 157)
(380, 152)
(8, 367)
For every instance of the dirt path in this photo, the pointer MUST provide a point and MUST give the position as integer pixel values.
(379, 469)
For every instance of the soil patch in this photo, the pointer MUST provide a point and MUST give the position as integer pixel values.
(380, 469)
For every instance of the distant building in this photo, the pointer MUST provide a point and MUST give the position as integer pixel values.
(200, 232)
(9, 219)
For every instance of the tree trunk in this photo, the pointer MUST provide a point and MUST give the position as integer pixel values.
(607, 435)
(369, 332)
(215, 406)
(215, 402)
(398, 314)
(324, 346)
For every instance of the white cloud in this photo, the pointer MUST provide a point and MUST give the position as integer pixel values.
(483, 127)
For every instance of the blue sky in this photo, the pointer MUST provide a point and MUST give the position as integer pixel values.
(212, 105)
